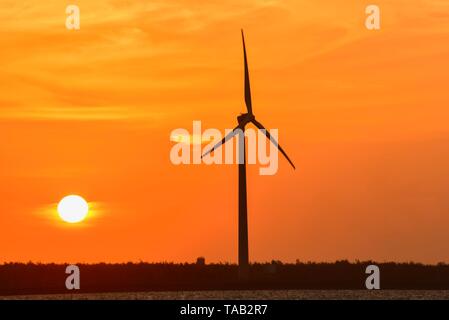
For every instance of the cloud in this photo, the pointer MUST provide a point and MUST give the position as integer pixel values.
(78, 114)
(143, 58)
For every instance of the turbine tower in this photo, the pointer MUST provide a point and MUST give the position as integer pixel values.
(243, 120)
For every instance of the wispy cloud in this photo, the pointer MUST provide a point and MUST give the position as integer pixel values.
(77, 113)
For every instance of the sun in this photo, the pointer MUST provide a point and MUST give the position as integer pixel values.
(73, 209)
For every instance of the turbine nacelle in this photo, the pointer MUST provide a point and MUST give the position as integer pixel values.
(245, 118)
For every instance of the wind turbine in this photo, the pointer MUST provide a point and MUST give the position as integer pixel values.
(243, 120)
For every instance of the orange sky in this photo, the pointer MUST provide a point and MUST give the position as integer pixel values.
(363, 114)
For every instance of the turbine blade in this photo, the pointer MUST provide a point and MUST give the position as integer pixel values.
(223, 141)
(247, 85)
(273, 140)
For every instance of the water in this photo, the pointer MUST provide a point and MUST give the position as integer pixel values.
(255, 295)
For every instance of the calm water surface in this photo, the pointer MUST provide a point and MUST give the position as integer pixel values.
(257, 295)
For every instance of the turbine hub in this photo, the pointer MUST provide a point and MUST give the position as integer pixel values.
(245, 118)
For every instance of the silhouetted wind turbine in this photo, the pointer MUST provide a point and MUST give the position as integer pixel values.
(243, 120)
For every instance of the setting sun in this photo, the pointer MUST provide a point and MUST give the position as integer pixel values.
(73, 209)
